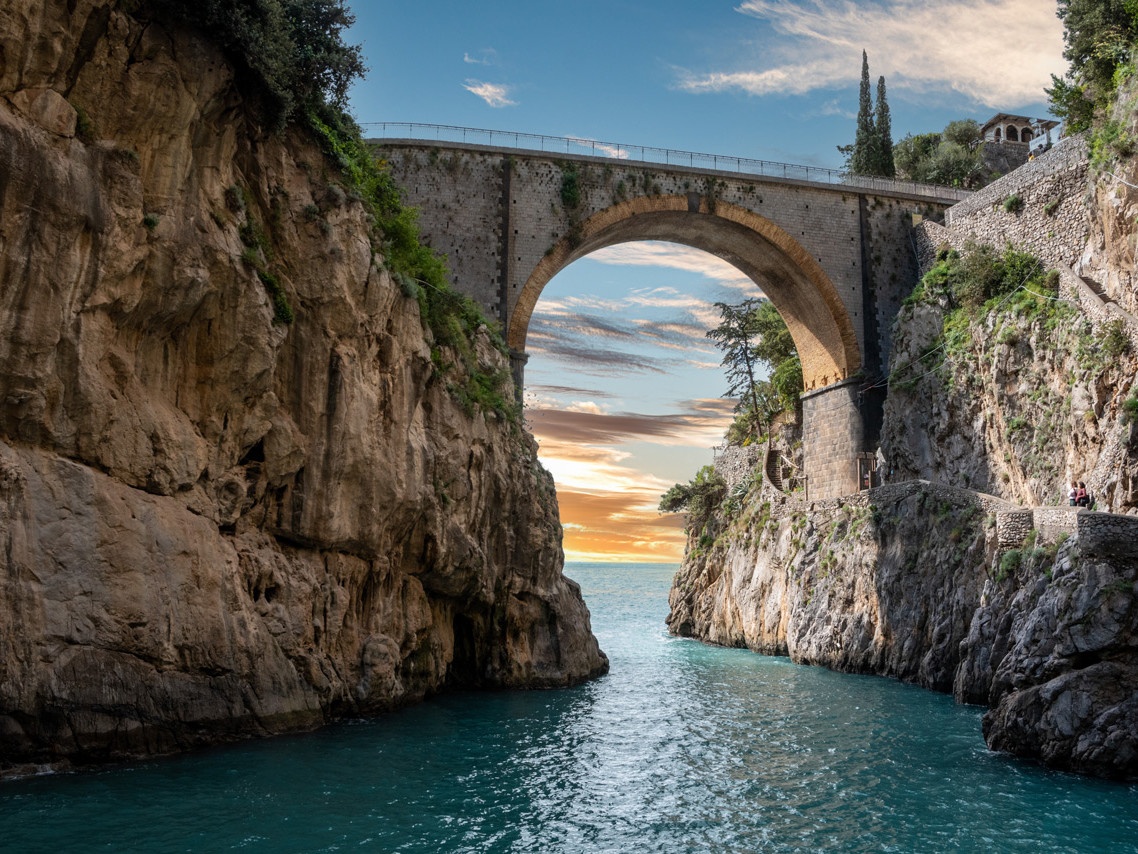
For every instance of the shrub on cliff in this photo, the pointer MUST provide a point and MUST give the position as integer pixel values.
(699, 498)
(1100, 36)
(289, 53)
(980, 274)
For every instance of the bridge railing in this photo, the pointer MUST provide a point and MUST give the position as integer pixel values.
(649, 154)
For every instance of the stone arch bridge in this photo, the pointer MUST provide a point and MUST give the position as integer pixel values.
(835, 258)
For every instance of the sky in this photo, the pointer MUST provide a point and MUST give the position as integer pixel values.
(623, 389)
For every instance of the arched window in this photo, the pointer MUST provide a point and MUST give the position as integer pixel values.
(1026, 135)
(1013, 134)
(997, 134)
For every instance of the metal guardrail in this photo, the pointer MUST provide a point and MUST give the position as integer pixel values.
(648, 154)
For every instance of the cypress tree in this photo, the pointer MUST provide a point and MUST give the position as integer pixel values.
(862, 158)
(884, 166)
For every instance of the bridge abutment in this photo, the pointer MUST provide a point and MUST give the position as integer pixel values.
(518, 360)
(834, 432)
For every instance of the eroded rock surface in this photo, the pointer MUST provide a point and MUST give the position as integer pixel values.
(906, 582)
(213, 524)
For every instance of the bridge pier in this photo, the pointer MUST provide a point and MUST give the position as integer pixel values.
(518, 360)
(834, 432)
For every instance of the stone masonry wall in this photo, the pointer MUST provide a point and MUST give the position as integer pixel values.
(497, 213)
(460, 201)
(832, 435)
(735, 463)
(1101, 311)
(1052, 222)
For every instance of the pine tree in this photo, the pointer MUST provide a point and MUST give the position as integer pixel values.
(861, 160)
(884, 166)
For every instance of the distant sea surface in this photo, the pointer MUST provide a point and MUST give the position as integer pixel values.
(681, 748)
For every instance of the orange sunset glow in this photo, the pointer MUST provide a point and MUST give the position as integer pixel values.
(620, 392)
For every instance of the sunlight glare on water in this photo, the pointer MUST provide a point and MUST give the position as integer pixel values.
(681, 748)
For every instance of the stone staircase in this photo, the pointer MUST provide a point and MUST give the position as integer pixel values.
(773, 470)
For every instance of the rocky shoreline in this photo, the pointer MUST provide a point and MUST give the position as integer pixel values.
(910, 586)
(219, 519)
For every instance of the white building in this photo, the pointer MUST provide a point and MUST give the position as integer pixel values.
(1020, 130)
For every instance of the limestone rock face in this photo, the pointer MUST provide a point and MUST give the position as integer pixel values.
(906, 584)
(860, 588)
(1053, 655)
(1017, 411)
(213, 524)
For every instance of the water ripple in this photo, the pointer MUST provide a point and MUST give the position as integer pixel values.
(682, 748)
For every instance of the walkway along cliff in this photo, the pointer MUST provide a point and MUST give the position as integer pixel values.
(214, 522)
(961, 574)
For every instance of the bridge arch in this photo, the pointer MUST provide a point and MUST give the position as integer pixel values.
(788, 275)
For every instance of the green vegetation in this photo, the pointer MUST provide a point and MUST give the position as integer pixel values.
(84, 127)
(699, 498)
(570, 186)
(1115, 341)
(1100, 36)
(1013, 204)
(290, 54)
(953, 157)
(976, 289)
(282, 311)
(150, 221)
(1130, 408)
(751, 335)
(872, 150)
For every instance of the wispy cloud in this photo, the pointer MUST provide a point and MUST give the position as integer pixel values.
(998, 53)
(568, 390)
(698, 427)
(601, 361)
(611, 503)
(486, 56)
(832, 108)
(674, 257)
(494, 94)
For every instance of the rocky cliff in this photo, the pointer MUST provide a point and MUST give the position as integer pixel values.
(988, 409)
(907, 581)
(213, 522)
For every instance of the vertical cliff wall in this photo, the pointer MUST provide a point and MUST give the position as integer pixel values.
(913, 580)
(214, 523)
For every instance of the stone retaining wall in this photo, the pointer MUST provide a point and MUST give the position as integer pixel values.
(893, 492)
(735, 464)
(1103, 534)
(929, 237)
(1052, 222)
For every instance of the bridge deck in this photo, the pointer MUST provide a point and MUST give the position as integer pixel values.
(585, 150)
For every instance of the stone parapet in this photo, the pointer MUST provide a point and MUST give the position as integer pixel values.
(1099, 534)
(1012, 528)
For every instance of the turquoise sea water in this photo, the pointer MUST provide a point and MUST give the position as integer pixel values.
(681, 748)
